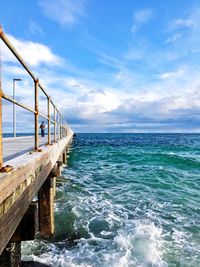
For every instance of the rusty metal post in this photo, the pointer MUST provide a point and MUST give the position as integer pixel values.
(36, 114)
(49, 122)
(58, 120)
(54, 124)
(60, 126)
(1, 132)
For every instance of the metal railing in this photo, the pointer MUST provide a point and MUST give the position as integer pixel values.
(58, 118)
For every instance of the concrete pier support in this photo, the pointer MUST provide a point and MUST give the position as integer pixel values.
(46, 207)
(65, 157)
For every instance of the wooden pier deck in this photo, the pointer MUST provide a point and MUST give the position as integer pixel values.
(28, 168)
(14, 147)
(21, 185)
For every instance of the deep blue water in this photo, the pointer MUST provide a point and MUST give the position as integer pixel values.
(126, 200)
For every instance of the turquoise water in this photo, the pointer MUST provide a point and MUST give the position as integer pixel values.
(126, 200)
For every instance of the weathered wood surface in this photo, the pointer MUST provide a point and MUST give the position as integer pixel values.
(19, 187)
(46, 207)
(14, 147)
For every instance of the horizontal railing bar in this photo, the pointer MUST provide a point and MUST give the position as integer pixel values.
(14, 51)
(58, 124)
(31, 110)
(52, 103)
(43, 90)
(17, 103)
(43, 116)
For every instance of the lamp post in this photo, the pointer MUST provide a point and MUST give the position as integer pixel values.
(14, 111)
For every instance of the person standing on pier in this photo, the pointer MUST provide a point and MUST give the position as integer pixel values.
(42, 127)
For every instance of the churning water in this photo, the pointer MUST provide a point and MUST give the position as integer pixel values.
(126, 200)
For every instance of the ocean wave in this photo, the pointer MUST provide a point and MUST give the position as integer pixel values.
(126, 200)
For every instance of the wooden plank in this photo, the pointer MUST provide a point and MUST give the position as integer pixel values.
(27, 166)
(30, 172)
(14, 147)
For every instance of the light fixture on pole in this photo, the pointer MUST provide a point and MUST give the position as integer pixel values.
(14, 111)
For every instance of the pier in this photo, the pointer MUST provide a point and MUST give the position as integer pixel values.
(29, 166)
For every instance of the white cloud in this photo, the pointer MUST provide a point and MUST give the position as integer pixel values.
(192, 20)
(65, 12)
(174, 74)
(185, 36)
(91, 106)
(33, 53)
(125, 97)
(179, 23)
(140, 18)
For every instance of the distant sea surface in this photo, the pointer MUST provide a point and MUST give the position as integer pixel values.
(126, 200)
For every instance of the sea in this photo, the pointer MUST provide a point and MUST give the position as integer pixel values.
(126, 200)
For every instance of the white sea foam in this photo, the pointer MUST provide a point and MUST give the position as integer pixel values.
(142, 245)
(123, 218)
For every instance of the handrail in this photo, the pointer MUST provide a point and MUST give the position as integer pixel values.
(14, 51)
(17, 103)
(57, 117)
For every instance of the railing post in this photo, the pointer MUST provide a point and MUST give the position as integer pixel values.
(54, 124)
(36, 114)
(49, 122)
(1, 132)
(60, 126)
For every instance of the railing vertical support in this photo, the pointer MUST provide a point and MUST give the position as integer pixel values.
(60, 126)
(58, 122)
(54, 124)
(49, 122)
(1, 132)
(36, 114)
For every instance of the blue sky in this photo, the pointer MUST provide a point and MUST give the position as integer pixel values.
(110, 65)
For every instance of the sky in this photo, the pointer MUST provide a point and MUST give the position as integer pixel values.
(109, 65)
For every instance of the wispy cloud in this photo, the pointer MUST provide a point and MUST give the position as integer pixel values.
(192, 20)
(140, 18)
(34, 28)
(174, 38)
(65, 12)
(184, 36)
(174, 74)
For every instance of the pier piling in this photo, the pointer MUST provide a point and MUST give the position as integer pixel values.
(46, 207)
